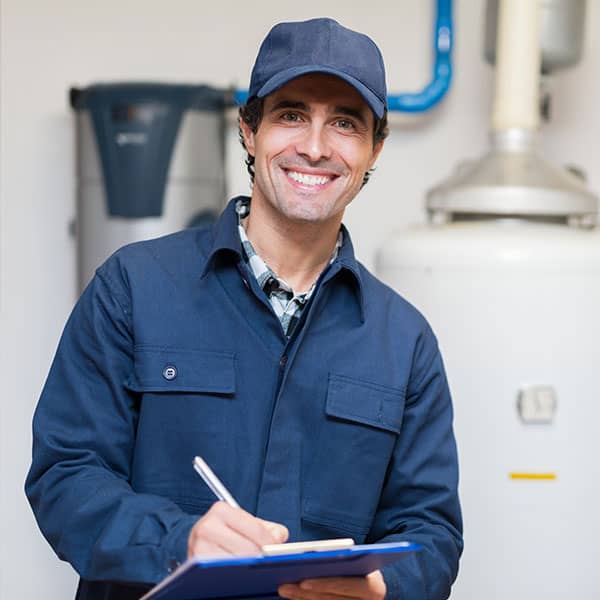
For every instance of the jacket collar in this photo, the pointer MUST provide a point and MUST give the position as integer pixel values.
(347, 262)
(226, 240)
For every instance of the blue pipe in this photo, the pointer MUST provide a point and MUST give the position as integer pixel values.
(442, 69)
(240, 97)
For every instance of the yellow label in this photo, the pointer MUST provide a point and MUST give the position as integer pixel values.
(533, 476)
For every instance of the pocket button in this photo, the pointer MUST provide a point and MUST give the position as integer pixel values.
(169, 372)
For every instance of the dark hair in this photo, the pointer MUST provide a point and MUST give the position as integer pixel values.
(251, 113)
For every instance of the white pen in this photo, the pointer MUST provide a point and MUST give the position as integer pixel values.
(213, 482)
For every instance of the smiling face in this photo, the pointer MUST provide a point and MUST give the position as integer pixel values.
(312, 149)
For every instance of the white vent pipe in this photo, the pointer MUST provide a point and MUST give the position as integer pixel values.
(518, 56)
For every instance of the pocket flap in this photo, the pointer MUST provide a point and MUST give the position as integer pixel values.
(168, 370)
(365, 402)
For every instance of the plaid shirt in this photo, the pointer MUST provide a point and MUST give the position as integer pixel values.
(287, 304)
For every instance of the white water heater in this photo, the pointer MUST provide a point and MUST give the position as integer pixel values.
(507, 271)
(516, 308)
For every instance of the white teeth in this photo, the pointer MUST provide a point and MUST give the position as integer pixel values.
(308, 179)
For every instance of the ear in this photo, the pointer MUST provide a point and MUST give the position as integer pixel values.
(376, 151)
(248, 136)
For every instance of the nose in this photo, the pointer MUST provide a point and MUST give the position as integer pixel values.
(314, 143)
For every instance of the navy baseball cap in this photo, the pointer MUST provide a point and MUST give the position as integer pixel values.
(320, 46)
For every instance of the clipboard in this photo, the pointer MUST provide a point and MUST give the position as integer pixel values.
(258, 577)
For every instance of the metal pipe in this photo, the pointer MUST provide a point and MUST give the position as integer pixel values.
(518, 57)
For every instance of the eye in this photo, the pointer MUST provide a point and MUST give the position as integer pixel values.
(345, 124)
(290, 117)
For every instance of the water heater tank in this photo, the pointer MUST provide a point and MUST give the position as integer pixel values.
(150, 160)
(516, 307)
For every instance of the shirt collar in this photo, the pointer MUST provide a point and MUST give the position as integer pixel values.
(263, 273)
(226, 239)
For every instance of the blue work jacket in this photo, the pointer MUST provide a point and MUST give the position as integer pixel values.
(173, 350)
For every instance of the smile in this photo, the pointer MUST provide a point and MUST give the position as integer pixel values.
(306, 179)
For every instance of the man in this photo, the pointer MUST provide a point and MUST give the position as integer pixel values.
(315, 392)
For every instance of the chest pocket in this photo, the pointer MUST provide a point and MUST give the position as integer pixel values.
(351, 457)
(168, 370)
(186, 398)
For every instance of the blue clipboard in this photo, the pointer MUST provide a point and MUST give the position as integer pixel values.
(258, 577)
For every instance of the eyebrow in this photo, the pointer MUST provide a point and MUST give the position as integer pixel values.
(288, 104)
(298, 105)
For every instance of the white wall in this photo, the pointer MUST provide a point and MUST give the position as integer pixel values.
(47, 47)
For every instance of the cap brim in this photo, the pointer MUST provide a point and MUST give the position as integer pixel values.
(283, 77)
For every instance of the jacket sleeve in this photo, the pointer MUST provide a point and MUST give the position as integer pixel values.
(420, 498)
(84, 431)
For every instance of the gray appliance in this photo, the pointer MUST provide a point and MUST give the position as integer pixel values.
(150, 161)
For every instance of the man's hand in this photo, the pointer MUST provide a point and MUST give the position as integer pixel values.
(225, 530)
(371, 587)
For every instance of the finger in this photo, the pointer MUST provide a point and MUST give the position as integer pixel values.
(215, 533)
(257, 530)
(370, 587)
(226, 543)
(353, 587)
(279, 531)
(295, 592)
(201, 547)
